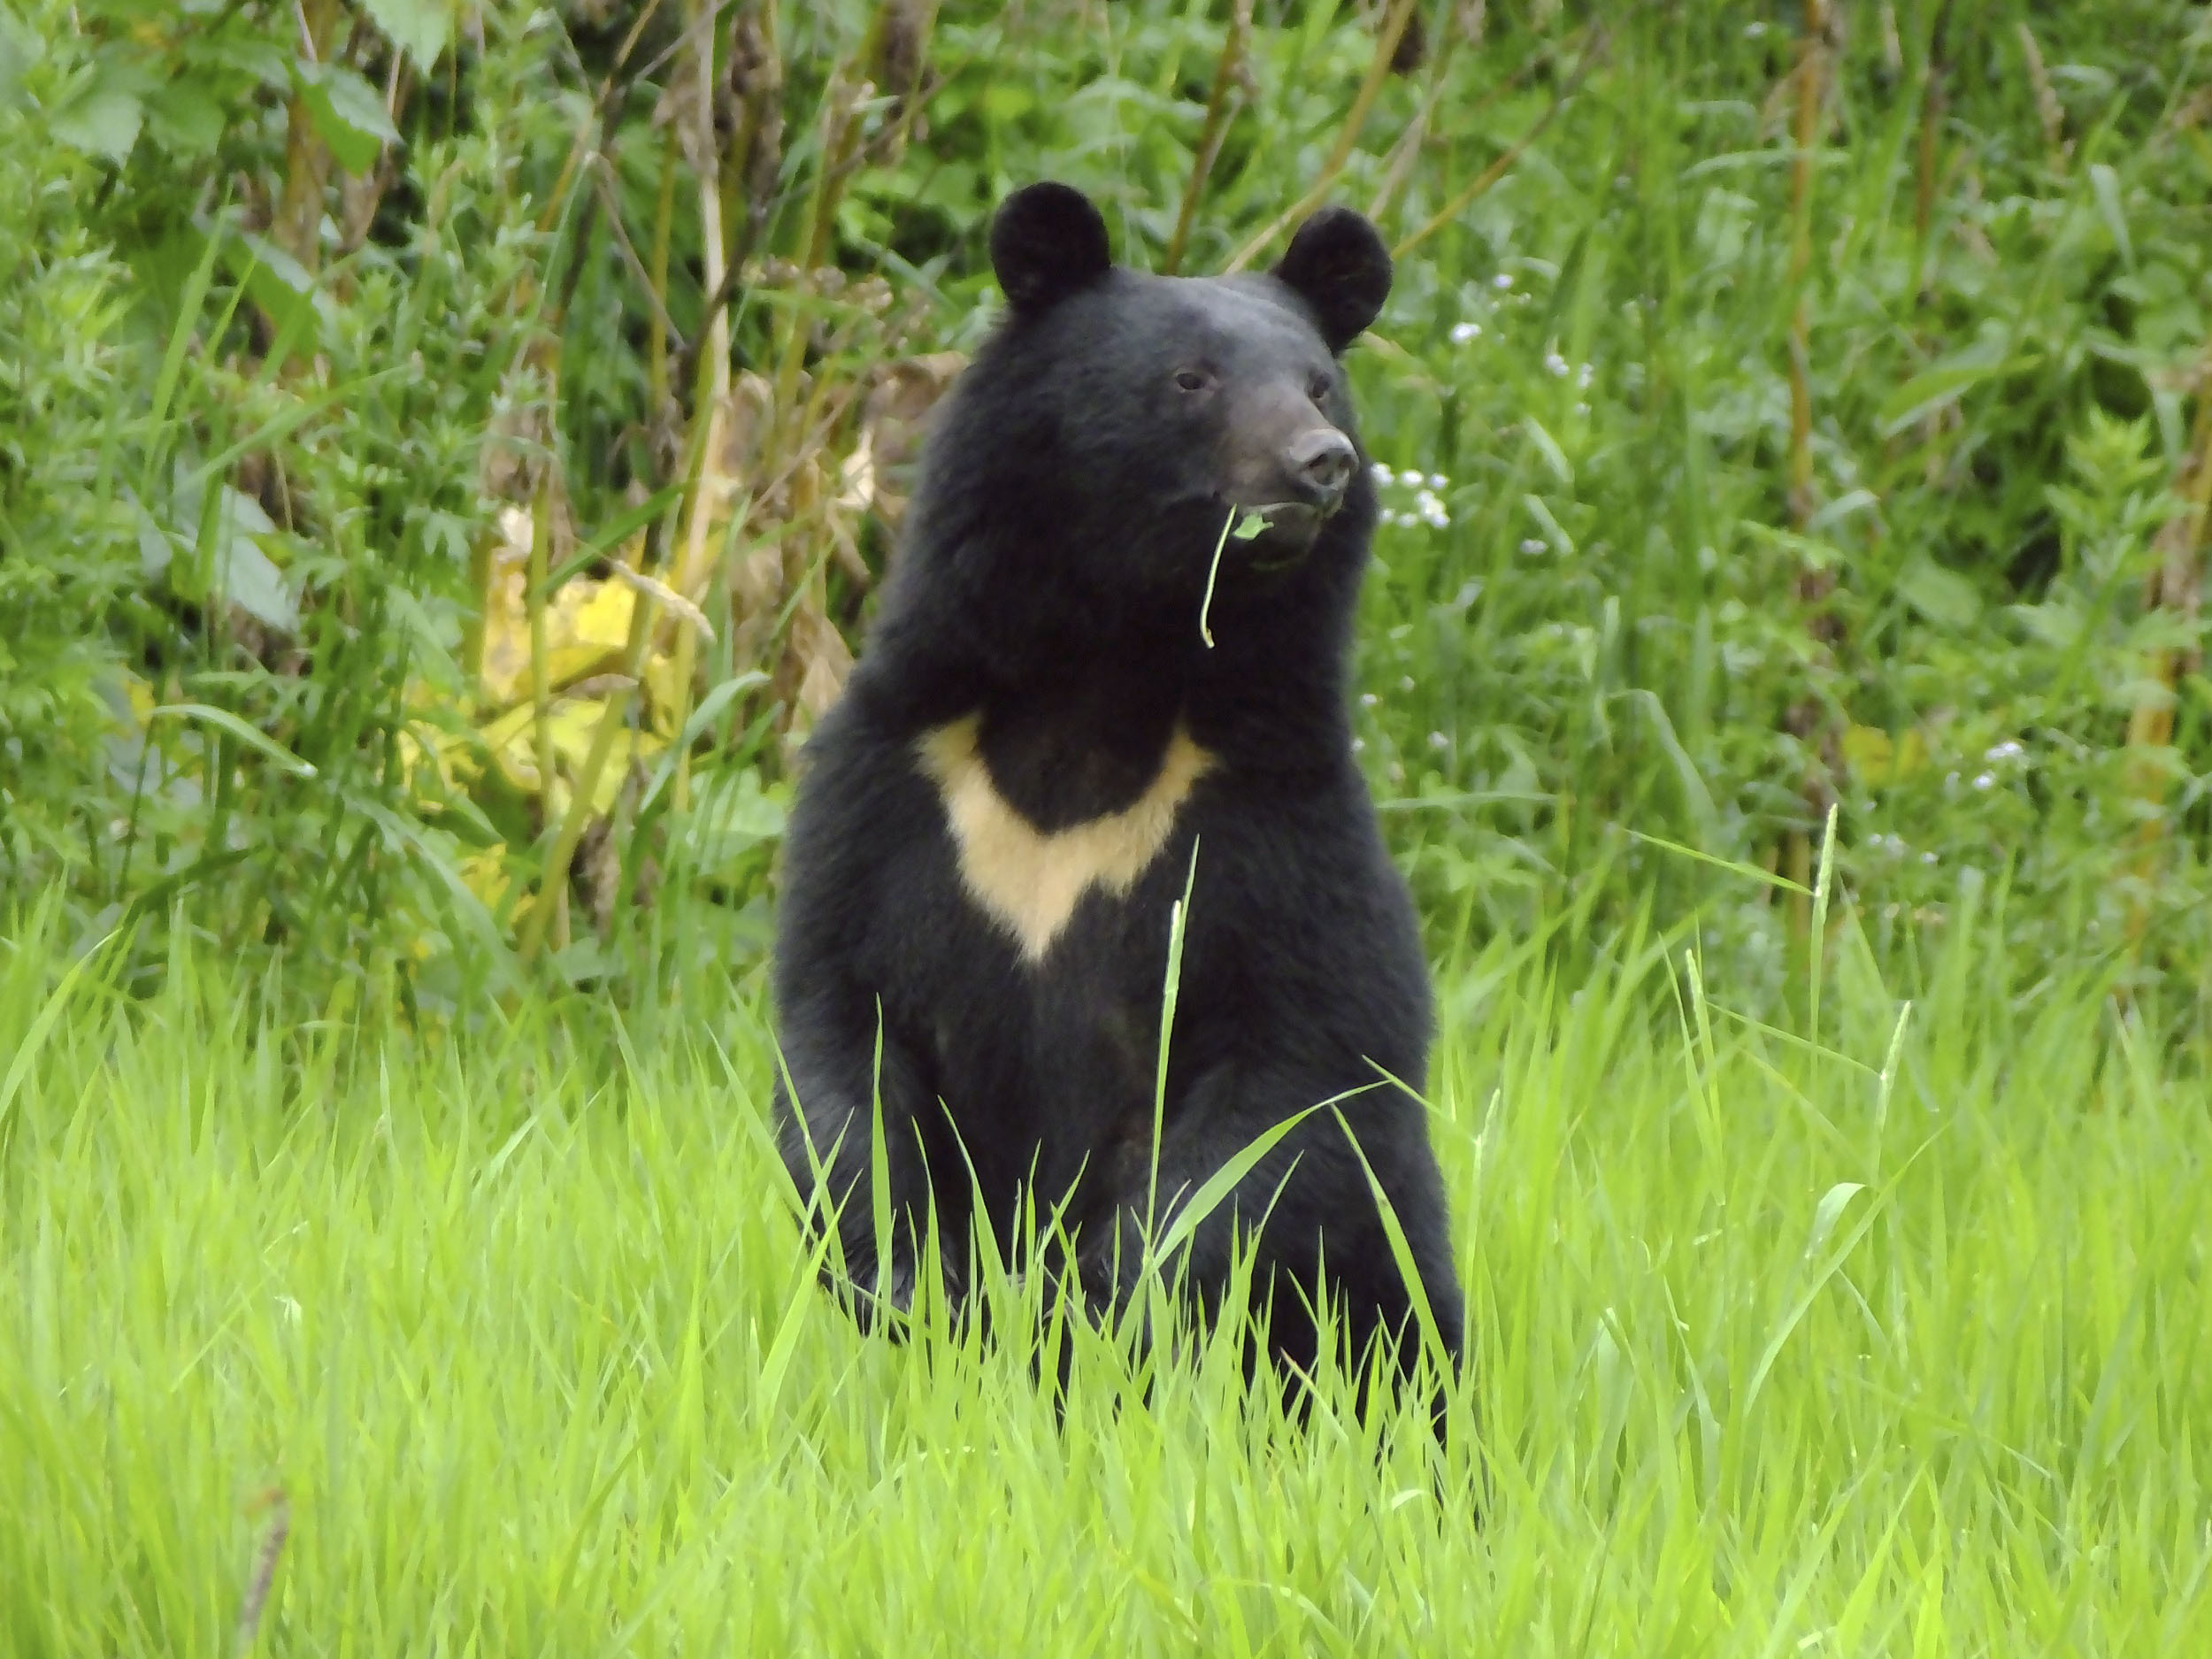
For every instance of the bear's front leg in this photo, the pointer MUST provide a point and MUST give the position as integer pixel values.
(1306, 1211)
(847, 1065)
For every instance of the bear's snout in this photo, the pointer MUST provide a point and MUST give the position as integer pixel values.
(1320, 464)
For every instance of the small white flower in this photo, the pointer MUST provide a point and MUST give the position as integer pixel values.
(1437, 518)
(1582, 377)
(2009, 749)
(1556, 363)
(1382, 475)
(1368, 699)
(1438, 740)
(1927, 859)
(1754, 31)
(1531, 545)
(1502, 281)
(1436, 481)
(1986, 780)
(1359, 746)
(1405, 682)
(1582, 409)
(1463, 332)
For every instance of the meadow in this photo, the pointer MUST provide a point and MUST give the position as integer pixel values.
(1895, 1342)
(446, 455)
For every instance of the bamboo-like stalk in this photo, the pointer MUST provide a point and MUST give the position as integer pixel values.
(307, 159)
(1227, 69)
(552, 896)
(1347, 135)
(1934, 101)
(664, 231)
(756, 149)
(2048, 110)
(1601, 42)
(2176, 583)
(690, 566)
(1813, 584)
(1805, 130)
(1405, 153)
(551, 907)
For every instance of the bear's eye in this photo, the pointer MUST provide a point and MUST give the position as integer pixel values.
(1319, 387)
(1190, 380)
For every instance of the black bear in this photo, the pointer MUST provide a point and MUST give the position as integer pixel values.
(994, 824)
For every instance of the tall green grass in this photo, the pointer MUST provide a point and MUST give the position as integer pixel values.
(1888, 1336)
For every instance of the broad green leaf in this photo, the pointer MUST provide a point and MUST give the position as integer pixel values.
(419, 27)
(1548, 446)
(20, 47)
(223, 719)
(184, 118)
(250, 579)
(102, 120)
(2105, 184)
(281, 285)
(1944, 381)
(1943, 596)
(348, 114)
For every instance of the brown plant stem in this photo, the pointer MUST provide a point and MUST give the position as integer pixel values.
(664, 233)
(1601, 41)
(1347, 135)
(2176, 584)
(1228, 70)
(688, 567)
(1400, 160)
(540, 684)
(264, 1566)
(551, 904)
(1934, 100)
(1814, 583)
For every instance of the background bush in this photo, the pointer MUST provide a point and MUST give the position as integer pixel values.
(1785, 409)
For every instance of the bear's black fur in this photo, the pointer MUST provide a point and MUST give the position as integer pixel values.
(1036, 703)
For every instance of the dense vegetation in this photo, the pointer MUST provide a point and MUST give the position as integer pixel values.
(447, 451)
(1779, 422)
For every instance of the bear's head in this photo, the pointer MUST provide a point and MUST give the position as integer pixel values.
(1218, 394)
(1118, 421)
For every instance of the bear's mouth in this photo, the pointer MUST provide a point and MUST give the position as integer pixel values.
(1286, 534)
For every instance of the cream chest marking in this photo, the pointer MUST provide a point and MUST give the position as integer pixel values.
(1029, 880)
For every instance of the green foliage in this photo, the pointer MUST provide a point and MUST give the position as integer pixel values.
(60, 296)
(259, 469)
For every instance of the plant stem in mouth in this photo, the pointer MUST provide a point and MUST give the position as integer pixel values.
(1252, 524)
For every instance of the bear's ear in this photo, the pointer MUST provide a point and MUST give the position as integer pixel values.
(1338, 264)
(1047, 242)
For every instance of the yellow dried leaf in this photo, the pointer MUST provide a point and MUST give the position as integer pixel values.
(1868, 751)
(1876, 760)
(662, 686)
(586, 622)
(572, 723)
(486, 874)
(598, 621)
(513, 743)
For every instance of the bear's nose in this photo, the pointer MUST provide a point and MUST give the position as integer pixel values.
(1321, 462)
